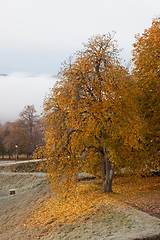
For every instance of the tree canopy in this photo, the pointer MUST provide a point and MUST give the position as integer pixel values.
(91, 119)
(146, 59)
(30, 121)
(25, 133)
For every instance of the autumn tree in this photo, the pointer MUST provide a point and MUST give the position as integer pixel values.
(26, 133)
(8, 149)
(2, 149)
(146, 59)
(16, 136)
(29, 122)
(91, 118)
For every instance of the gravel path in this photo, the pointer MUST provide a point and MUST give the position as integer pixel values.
(6, 163)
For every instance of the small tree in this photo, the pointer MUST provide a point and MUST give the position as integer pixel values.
(6, 140)
(91, 118)
(2, 149)
(16, 137)
(29, 122)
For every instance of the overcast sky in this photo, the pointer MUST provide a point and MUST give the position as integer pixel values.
(19, 90)
(38, 35)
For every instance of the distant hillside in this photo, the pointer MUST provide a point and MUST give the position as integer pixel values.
(3, 75)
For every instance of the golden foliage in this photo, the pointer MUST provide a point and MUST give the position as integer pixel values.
(92, 114)
(88, 197)
(146, 58)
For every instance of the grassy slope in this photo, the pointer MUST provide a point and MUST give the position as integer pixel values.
(34, 213)
(95, 215)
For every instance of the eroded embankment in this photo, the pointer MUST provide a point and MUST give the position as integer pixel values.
(31, 189)
(32, 192)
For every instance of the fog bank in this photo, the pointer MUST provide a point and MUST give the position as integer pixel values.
(20, 89)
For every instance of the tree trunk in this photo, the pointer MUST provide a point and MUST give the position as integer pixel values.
(107, 171)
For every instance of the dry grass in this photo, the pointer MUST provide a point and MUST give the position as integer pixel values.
(34, 213)
(142, 193)
(90, 206)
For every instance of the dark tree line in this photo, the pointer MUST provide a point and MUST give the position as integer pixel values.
(23, 135)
